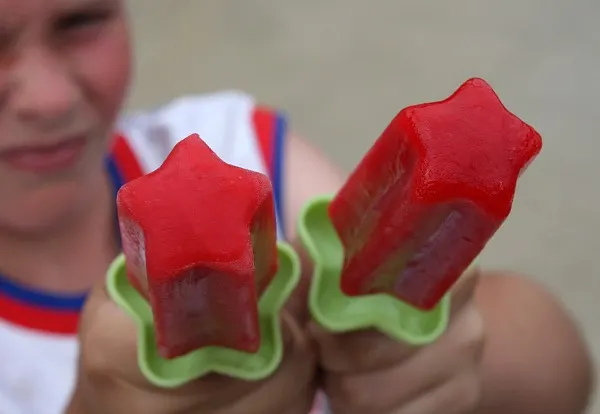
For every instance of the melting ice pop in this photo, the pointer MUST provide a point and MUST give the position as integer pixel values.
(429, 194)
(199, 240)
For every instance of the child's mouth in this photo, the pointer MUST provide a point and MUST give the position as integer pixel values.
(45, 159)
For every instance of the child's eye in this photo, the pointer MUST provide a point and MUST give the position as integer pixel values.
(81, 20)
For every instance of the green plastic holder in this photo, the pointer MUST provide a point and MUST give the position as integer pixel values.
(171, 373)
(338, 312)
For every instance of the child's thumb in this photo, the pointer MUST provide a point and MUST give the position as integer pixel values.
(109, 368)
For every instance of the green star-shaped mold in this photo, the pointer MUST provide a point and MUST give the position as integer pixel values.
(337, 312)
(171, 373)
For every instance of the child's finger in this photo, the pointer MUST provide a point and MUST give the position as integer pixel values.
(358, 352)
(400, 382)
(369, 350)
(464, 289)
(109, 355)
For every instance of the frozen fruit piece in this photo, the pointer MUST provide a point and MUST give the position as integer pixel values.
(430, 193)
(199, 239)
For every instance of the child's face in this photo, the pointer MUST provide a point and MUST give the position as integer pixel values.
(64, 71)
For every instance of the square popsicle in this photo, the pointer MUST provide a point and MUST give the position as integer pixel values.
(429, 194)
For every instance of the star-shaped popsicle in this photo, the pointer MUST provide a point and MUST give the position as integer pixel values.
(199, 239)
(429, 194)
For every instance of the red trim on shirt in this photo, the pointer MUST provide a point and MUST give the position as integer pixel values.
(126, 159)
(38, 318)
(264, 120)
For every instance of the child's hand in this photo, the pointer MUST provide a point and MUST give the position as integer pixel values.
(109, 380)
(367, 373)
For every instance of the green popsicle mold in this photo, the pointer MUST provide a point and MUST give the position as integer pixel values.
(337, 312)
(175, 372)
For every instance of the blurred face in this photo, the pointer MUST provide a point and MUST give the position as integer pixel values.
(64, 71)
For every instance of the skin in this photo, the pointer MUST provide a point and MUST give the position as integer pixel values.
(64, 70)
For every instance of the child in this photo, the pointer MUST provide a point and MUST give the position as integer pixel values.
(64, 72)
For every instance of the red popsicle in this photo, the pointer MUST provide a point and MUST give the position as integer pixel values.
(199, 240)
(430, 193)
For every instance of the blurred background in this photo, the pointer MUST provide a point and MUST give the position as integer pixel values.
(342, 69)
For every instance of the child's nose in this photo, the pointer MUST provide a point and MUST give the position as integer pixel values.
(46, 93)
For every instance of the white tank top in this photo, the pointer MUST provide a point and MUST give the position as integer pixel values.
(38, 346)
